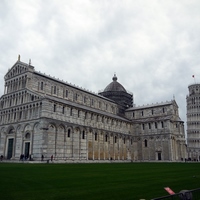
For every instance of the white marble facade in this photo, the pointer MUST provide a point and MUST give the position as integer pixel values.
(193, 122)
(42, 115)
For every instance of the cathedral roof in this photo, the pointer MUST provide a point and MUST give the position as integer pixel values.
(114, 86)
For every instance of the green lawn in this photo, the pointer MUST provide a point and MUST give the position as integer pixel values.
(95, 181)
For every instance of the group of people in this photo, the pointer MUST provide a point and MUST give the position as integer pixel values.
(42, 157)
(190, 159)
(23, 157)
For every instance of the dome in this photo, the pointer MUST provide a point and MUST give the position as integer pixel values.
(117, 93)
(114, 86)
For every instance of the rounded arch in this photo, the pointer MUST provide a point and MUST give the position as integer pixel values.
(10, 130)
(91, 130)
(36, 127)
(62, 126)
(52, 126)
(27, 127)
(69, 130)
(77, 129)
(69, 126)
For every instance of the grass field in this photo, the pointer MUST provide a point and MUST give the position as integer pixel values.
(95, 181)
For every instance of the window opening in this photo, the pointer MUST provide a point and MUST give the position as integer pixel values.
(162, 124)
(95, 137)
(63, 110)
(68, 133)
(143, 126)
(83, 135)
(145, 143)
(41, 86)
(149, 125)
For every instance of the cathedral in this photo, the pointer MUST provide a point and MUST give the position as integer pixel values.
(44, 117)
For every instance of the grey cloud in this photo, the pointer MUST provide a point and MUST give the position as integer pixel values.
(153, 47)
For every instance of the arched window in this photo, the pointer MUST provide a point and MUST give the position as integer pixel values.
(143, 126)
(68, 133)
(115, 139)
(149, 125)
(106, 138)
(145, 143)
(83, 135)
(54, 108)
(78, 113)
(95, 136)
(63, 110)
(41, 86)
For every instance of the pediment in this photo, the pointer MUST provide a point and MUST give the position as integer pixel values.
(17, 69)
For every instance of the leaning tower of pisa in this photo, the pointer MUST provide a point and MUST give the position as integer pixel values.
(193, 121)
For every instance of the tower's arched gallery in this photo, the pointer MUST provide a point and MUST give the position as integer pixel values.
(42, 115)
(193, 125)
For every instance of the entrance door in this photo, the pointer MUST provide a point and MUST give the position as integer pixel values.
(159, 155)
(10, 148)
(27, 147)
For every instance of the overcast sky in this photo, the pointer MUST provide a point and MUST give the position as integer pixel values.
(153, 46)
